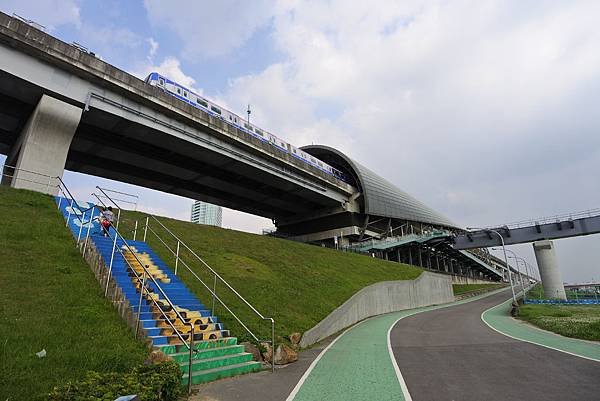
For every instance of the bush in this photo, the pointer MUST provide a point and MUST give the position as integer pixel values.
(159, 382)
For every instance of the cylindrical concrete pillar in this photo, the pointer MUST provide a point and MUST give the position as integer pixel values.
(549, 273)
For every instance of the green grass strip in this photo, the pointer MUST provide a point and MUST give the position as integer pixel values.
(499, 319)
(50, 299)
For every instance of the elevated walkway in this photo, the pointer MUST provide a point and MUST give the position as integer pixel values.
(430, 250)
(167, 307)
(549, 228)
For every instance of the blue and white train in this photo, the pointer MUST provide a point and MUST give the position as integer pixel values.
(184, 94)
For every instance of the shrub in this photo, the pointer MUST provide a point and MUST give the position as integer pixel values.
(159, 382)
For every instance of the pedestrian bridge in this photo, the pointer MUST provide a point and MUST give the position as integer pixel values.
(549, 228)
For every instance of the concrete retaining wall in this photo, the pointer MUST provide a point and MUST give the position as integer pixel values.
(388, 296)
(456, 279)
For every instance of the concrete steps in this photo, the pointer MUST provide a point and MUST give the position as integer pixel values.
(217, 354)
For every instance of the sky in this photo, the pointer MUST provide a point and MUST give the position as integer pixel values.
(485, 110)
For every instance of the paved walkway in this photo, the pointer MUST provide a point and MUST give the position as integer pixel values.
(438, 354)
(498, 319)
(454, 355)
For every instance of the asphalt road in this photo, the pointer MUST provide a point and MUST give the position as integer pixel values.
(450, 354)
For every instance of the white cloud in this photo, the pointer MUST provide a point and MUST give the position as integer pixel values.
(49, 13)
(210, 28)
(153, 48)
(484, 110)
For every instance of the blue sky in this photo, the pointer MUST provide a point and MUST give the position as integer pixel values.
(484, 110)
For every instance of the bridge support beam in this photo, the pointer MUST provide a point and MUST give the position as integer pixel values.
(43, 146)
(548, 267)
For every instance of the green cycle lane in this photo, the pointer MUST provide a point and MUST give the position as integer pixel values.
(499, 319)
(358, 365)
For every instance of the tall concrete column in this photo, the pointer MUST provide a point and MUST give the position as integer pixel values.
(43, 145)
(549, 273)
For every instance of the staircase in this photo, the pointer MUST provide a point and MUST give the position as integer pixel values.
(216, 354)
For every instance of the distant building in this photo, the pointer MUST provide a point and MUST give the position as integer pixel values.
(207, 213)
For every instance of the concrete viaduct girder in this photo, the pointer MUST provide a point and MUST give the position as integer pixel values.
(135, 133)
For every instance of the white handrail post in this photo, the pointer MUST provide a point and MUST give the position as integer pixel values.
(87, 235)
(214, 294)
(146, 227)
(135, 230)
(81, 222)
(69, 216)
(112, 258)
(177, 258)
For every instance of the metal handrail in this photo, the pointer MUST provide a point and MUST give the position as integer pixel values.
(15, 169)
(189, 346)
(216, 275)
(551, 219)
(213, 291)
(143, 280)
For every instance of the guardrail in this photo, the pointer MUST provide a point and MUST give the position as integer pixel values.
(550, 219)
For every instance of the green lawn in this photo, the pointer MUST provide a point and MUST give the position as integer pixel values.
(582, 321)
(537, 292)
(50, 299)
(295, 283)
(464, 288)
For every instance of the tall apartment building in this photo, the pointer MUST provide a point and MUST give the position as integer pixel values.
(207, 213)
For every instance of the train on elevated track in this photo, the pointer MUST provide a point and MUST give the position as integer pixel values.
(186, 95)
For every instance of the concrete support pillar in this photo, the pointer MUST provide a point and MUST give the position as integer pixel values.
(43, 145)
(549, 273)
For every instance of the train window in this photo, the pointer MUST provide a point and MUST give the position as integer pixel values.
(179, 91)
(230, 119)
(294, 150)
(202, 102)
(258, 132)
(320, 164)
(215, 109)
(161, 81)
(312, 159)
(247, 127)
(184, 93)
(234, 120)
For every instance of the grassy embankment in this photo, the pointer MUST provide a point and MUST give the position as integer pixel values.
(297, 284)
(578, 321)
(460, 289)
(50, 299)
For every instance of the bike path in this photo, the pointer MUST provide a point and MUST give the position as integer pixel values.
(358, 364)
(453, 355)
(498, 318)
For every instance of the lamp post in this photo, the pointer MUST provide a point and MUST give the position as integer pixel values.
(512, 288)
(517, 259)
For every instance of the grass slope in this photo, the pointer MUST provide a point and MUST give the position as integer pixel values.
(297, 284)
(49, 299)
(581, 321)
